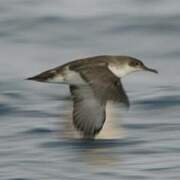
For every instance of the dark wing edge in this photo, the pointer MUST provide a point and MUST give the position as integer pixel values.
(119, 94)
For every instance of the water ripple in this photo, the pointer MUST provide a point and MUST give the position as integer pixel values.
(38, 131)
(88, 144)
(7, 110)
(19, 179)
(160, 102)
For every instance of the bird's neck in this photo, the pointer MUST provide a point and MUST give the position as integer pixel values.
(120, 71)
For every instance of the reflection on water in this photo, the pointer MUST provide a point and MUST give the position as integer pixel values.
(100, 157)
(97, 153)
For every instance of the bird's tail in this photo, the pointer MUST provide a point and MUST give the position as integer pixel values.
(51, 76)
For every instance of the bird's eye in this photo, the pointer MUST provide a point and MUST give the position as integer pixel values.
(134, 63)
(137, 64)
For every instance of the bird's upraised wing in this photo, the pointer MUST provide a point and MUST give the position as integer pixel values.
(90, 100)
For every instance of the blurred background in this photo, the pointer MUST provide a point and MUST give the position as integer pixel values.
(36, 35)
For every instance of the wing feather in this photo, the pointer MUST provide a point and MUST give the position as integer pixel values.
(105, 84)
(88, 113)
(90, 99)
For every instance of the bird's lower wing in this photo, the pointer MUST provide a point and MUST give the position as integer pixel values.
(88, 112)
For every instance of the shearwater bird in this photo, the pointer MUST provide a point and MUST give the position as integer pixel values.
(93, 82)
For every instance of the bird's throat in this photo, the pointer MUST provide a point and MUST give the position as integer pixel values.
(120, 71)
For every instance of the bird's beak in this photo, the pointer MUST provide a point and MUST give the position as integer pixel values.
(150, 70)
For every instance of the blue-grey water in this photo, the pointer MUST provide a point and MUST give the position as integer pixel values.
(37, 35)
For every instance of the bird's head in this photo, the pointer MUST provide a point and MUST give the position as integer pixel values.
(124, 65)
(137, 65)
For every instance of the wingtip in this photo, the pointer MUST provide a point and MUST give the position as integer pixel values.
(125, 106)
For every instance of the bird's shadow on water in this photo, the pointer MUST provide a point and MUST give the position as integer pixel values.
(99, 152)
(91, 144)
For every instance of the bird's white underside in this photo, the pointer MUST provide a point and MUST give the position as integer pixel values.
(112, 128)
